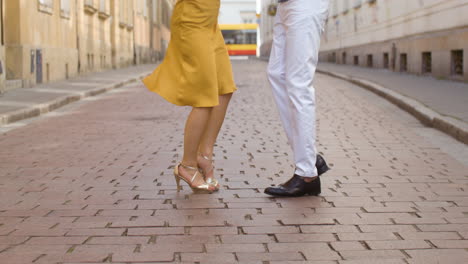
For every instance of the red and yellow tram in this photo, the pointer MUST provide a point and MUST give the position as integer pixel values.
(240, 39)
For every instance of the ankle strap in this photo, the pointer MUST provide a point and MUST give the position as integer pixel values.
(205, 157)
(188, 167)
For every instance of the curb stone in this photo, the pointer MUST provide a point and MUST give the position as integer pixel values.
(40, 109)
(451, 126)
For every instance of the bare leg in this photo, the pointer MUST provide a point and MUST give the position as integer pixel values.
(211, 133)
(194, 129)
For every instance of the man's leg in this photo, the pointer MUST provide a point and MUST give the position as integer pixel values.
(276, 74)
(304, 24)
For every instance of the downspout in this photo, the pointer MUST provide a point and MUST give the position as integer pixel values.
(77, 37)
(151, 31)
(2, 40)
(134, 34)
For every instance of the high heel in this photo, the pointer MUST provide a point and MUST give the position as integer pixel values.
(203, 188)
(211, 181)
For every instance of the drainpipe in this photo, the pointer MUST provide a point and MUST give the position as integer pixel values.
(134, 16)
(151, 31)
(77, 36)
(2, 40)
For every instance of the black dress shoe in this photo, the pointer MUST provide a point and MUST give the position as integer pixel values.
(295, 187)
(321, 165)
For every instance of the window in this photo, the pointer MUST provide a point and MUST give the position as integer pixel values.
(426, 62)
(46, 6)
(102, 5)
(126, 14)
(345, 6)
(90, 7)
(357, 3)
(65, 8)
(343, 58)
(103, 9)
(48, 3)
(356, 60)
(145, 8)
(457, 62)
(140, 6)
(241, 36)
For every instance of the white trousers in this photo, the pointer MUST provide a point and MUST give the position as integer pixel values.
(291, 69)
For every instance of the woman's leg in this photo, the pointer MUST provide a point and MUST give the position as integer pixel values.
(195, 126)
(211, 133)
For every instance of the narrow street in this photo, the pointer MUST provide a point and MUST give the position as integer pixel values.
(92, 183)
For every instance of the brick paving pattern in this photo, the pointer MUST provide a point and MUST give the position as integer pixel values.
(95, 185)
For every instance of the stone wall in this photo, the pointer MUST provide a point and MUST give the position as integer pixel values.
(429, 54)
(420, 37)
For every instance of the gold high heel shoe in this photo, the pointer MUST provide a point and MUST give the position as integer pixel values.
(203, 188)
(210, 181)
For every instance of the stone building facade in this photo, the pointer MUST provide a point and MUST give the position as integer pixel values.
(49, 40)
(40, 42)
(153, 19)
(422, 37)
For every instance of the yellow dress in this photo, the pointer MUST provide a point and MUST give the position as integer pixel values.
(196, 69)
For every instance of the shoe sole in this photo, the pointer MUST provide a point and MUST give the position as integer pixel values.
(305, 194)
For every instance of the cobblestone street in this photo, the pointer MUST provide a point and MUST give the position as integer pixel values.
(92, 183)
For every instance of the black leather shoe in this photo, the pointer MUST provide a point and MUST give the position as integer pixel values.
(321, 165)
(295, 187)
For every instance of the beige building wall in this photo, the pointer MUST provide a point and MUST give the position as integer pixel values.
(40, 39)
(145, 22)
(142, 31)
(94, 27)
(122, 33)
(2, 50)
(49, 40)
(421, 37)
(152, 33)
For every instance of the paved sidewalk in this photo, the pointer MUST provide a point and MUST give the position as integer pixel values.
(441, 104)
(24, 103)
(94, 184)
(448, 98)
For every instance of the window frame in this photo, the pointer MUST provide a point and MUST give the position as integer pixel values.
(46, 6)
(65, 9)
